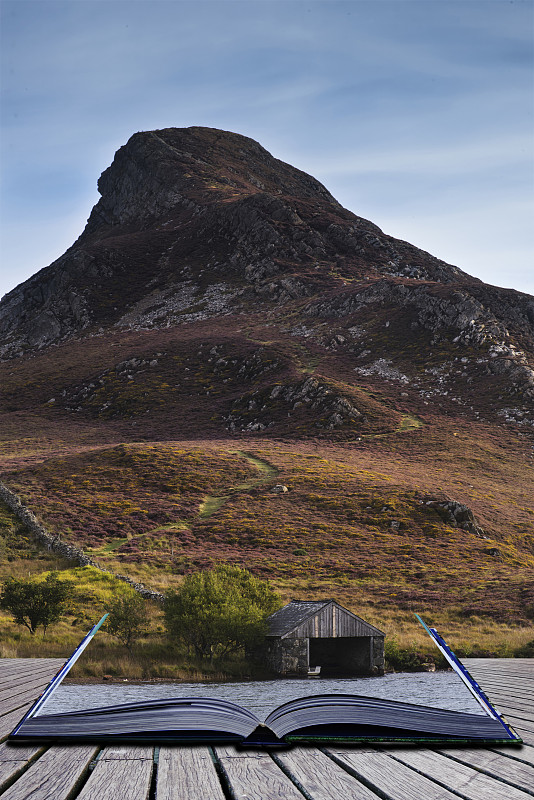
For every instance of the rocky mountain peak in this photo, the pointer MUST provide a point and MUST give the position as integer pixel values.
(195, 225)
(158, 171)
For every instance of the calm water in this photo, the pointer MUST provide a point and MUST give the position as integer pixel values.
(439, 689)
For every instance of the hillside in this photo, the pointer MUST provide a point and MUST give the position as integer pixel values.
(223, 326)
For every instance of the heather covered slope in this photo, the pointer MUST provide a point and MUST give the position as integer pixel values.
(222, 326)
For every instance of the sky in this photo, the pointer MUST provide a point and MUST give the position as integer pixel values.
(415, 114)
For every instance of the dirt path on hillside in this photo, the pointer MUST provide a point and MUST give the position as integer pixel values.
(213, 503)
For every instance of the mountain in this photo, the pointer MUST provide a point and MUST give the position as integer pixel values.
(223, 324)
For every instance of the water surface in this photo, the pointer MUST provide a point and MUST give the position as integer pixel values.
(437, 689)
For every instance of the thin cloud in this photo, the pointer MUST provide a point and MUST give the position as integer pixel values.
(399, 108)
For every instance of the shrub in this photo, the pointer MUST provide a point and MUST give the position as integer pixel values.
(525, 651)
(406, 659)
(220, 611)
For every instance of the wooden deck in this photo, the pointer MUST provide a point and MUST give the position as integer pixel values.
(89, 772)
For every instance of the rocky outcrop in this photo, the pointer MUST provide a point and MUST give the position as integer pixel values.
(457, 515)
(258, 410)
(463, 315)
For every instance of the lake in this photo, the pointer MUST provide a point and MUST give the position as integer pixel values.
(438, 689)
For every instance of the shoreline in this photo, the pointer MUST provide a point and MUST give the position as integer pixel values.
(114, 679)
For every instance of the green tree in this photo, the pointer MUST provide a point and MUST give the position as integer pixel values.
(220, 611)
(36, 603)
(127, 618)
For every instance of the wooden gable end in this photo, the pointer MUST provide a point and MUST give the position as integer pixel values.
(332, 621)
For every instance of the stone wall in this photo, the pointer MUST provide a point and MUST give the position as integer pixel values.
(56, 545)
(378, 657)
(287, 656)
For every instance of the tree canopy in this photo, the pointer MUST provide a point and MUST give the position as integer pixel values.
(36, 603)
(220, 611)
(127, 617)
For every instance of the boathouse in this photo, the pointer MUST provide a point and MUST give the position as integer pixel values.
(307, 634)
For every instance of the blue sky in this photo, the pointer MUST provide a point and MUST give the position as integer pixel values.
(416, 114)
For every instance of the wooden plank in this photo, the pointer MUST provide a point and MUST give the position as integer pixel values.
(13, 665)
(8, 678)
(516, 711)
(20, 699)
(457, 777)
(507, 689)
(118, 752)
(524, 724)
(321, 777)
(498, 766)
(508, 698)
(187, 773)
(506, 710)
(389, 778)
(16, 752)
(499, 668)
(526, 736)
(494, 682)
(519, 687)
(491, 683)
(8, 721)
(524, 753)
(40, 659)
(513, 662)
(54, 775)
(28, 670)
(36, 683)
(13, 759)
(498, 674)
(502, 666)
(120, 772)
(255, 776)
(511, 695)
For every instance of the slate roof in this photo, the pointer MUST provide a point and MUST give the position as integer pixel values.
(292, 615)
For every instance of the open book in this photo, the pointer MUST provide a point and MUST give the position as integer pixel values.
(316, 719)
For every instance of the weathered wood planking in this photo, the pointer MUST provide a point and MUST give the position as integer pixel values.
(19, 690)
(389, 778)
(255, 776)
(321, 777)
(497, 765)
(524, 724)
(56, 774)
(525, 704)
(187, 773)
(452, 775)
(120, 773)
(6, 678)
(520, 688)
(521, 666)
(16, 666)
(25, 688)
(8, 721)
(13, 760)
(524, 753)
